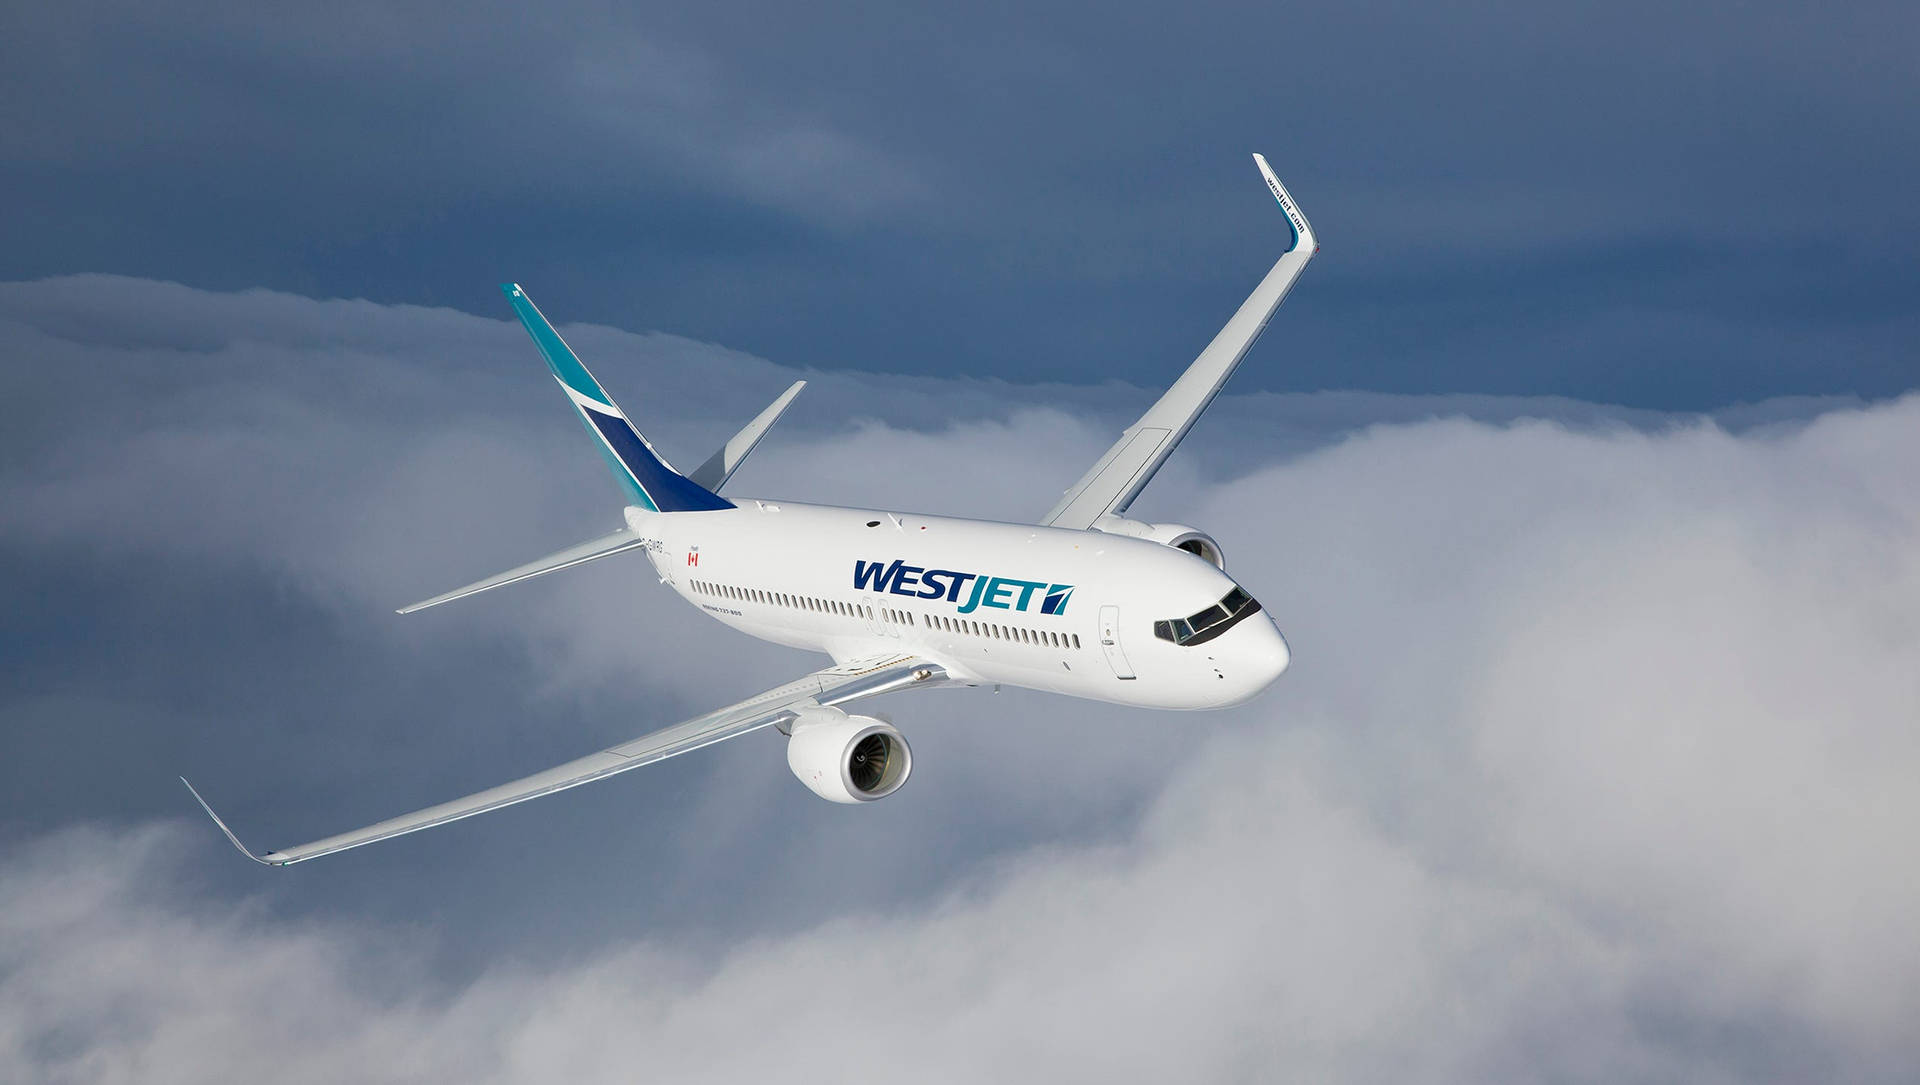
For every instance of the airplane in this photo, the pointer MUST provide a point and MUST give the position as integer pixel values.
(1085, 602)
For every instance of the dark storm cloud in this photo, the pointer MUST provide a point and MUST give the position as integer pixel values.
(1592, 763)
(1614, 202)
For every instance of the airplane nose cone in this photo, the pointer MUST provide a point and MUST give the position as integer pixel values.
(1252, 656)
(1269, 651)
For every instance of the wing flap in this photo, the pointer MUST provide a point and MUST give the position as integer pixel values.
(1116, 473)
(836, 685)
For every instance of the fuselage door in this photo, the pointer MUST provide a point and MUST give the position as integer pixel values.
(1110, 642)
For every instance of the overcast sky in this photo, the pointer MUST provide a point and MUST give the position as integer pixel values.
(1638, 203)
(1577, 471)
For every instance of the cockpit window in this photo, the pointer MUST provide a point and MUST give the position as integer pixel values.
(1209, 623)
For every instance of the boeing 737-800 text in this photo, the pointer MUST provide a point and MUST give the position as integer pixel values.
(1086, 602)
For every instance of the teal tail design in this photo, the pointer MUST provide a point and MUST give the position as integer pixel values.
(648, 479)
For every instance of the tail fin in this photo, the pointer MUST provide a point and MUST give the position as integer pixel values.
(648, 479)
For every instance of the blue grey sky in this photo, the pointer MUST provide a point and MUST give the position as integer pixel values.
(1634, 203)
(1577, 470)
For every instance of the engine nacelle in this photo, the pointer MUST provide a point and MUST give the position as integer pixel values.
(848, 759)
(1179, 536)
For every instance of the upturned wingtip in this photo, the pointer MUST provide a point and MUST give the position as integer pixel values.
(232, 839)
(1303, 235)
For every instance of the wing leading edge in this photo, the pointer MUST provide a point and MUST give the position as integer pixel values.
(834, 686)
(1119, 476)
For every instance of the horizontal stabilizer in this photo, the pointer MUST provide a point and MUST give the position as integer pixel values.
(714, 473)
(619, 541)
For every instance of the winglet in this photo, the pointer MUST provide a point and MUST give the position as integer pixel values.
(1302, 233)
(223, 826)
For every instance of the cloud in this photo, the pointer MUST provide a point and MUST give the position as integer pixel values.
(1592, 763)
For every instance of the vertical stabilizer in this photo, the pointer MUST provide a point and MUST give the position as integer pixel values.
(648, 479)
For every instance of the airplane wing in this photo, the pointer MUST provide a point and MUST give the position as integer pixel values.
(1119, 476)
(834, 686)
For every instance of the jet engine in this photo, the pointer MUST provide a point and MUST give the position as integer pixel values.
(849, 759)
(1179, 536)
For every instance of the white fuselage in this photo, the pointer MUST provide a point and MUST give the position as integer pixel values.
(1066, 611)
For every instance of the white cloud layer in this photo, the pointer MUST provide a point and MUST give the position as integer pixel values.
(1595, 764)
